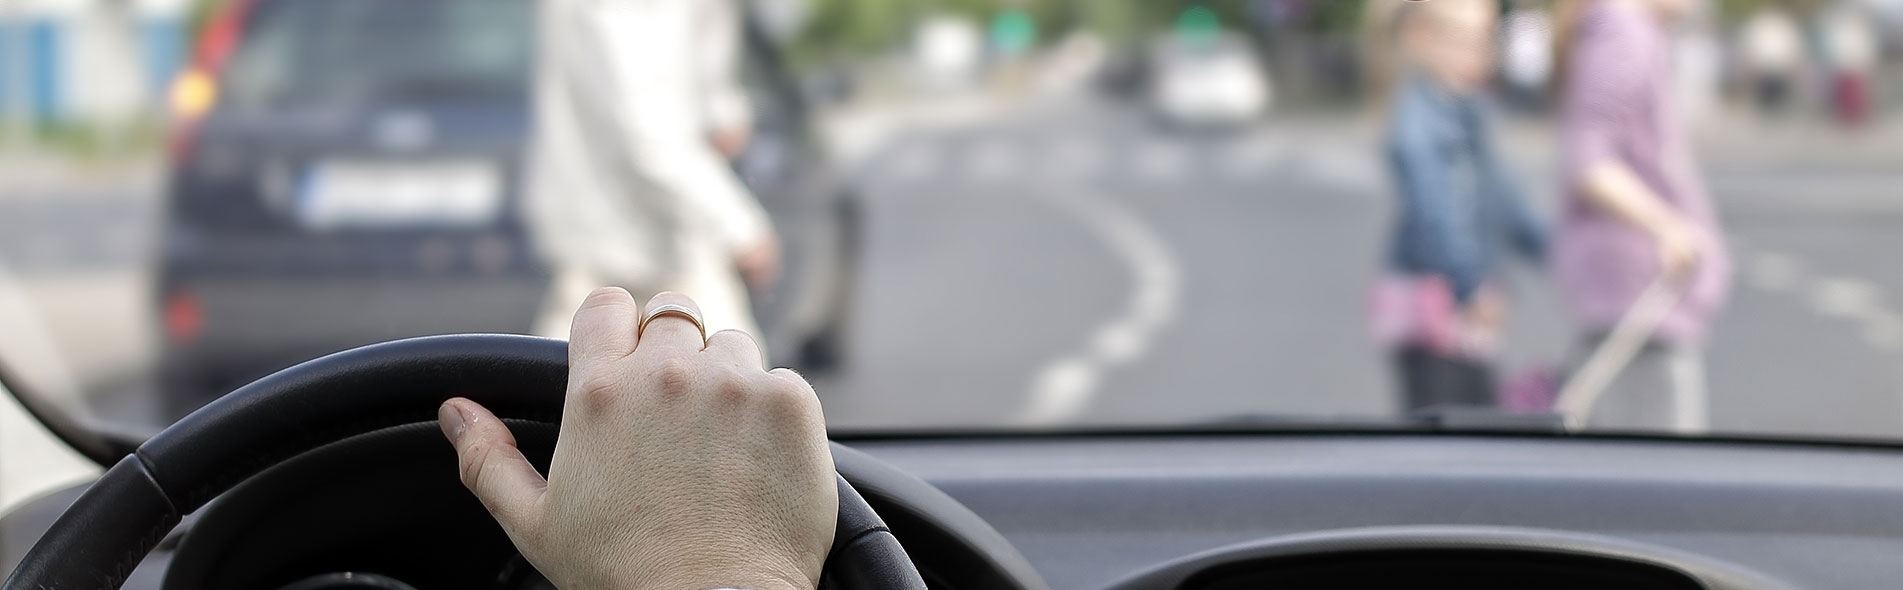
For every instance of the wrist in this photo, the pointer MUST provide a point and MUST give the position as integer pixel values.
(775, 585)
(754, 578)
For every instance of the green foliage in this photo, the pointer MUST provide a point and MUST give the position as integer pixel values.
(844, 28)
(1338, 16)
(841, 28)
(854, 26)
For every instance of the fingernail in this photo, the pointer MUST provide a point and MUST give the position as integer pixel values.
(450, 418)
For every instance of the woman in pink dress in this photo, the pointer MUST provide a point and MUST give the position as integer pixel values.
(1635, 210)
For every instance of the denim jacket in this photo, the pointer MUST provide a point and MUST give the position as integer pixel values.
(1458, 205)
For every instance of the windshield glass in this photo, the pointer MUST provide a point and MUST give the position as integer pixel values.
(1661, 216)
(335, 51)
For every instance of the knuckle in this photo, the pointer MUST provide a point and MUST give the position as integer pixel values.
(599, 389)
(790, 376)
(674, 377)
(733, 386)
(788, 399)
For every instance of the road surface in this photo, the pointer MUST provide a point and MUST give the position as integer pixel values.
(1075, 264)
(1071, 263)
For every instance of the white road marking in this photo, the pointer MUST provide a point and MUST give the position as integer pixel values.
(1060, 390)
(1857, 300)
(1844, 298)
(1773, 272)
(1065, 386)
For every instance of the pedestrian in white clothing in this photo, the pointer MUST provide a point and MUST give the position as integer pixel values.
(637, 106)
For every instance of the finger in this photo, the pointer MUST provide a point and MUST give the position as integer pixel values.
(491, 465)
(603, 329)
(671, 335)
(737, 347)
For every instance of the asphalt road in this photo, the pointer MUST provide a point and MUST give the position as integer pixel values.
(1078, 264)
(1073, 263)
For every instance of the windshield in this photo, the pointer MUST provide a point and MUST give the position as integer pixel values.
(1676, 219)
(328, 52)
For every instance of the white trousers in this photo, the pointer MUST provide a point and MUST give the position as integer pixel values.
(1661, 390)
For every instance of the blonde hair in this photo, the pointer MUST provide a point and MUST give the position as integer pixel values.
(1384, 22)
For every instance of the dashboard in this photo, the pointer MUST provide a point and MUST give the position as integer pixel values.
(1137, 511)
(1096, 512)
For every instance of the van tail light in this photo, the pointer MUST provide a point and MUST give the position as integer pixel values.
(184, 318)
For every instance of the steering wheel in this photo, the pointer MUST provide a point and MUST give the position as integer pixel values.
(123, 515)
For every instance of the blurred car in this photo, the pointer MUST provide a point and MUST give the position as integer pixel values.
(344, 172)
(1207, 82)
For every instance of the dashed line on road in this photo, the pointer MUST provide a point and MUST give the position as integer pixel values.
(1844, 298)
(1065, 386)
(1851, 299)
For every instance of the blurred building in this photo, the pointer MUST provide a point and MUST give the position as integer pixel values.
(93, 62)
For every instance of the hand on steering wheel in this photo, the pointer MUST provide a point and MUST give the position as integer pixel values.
(681, 463)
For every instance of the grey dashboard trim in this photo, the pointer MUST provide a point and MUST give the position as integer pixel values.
(1713, 574)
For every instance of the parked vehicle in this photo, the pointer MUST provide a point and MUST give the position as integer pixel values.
(1207, 82)
(350, 169)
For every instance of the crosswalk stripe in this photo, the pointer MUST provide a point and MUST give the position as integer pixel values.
(1156, 161)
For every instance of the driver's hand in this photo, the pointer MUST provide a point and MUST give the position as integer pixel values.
(678, 466)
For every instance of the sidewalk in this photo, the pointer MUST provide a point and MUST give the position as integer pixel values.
(27, 174)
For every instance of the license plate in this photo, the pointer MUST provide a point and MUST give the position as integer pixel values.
(352, 194)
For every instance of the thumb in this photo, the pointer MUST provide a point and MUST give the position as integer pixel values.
(491, 465)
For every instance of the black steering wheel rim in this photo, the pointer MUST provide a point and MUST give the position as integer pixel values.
(123, 515)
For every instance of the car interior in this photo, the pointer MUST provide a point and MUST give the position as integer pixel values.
(334, 467)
